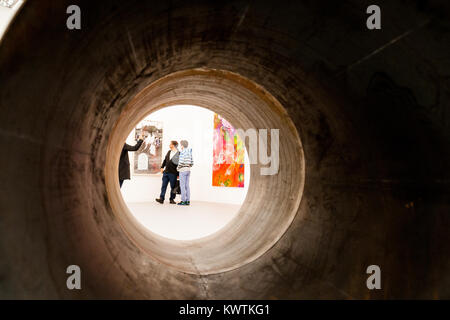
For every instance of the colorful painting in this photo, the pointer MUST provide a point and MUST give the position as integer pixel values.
(228, 155)
(147, 160)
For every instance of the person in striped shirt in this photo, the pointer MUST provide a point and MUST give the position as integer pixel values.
(185, 163)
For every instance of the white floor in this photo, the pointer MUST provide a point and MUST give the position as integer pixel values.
(183, 222)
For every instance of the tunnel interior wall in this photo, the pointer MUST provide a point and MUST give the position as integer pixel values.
(375, 134)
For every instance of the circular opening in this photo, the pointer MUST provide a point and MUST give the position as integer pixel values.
(274, 195)
(218, 180)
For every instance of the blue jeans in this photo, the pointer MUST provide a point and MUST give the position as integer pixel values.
(184, 186)
(166, 178)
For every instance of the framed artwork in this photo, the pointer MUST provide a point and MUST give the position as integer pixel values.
(228, 155)
(148, 159)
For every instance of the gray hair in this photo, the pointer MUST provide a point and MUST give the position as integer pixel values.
(184, 143)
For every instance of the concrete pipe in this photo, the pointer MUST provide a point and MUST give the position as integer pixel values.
(364, 152)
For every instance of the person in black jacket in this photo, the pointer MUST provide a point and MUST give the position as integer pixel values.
(124, 162)
(170, 173)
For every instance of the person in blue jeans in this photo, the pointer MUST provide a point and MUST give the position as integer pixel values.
(170, 173)
(185, 162)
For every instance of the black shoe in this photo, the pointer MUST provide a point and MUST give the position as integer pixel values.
(159, 200)
(172, 202)
(188, 203)
(182, 203)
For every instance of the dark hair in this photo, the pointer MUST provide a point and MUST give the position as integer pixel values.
(174, 143)
(184, 143)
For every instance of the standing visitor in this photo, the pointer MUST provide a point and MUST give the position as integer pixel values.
(170, 173)
(124, 162)
(184, 168)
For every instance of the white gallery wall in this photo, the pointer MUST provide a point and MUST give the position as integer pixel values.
(196, 125)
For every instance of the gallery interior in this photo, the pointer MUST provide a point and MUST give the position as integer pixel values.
(216, 196)
(364, 168)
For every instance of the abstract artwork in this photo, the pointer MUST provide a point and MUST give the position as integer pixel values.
(228, 155)
(147, 160)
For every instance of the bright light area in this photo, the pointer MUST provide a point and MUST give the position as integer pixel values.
(211, 207)
(7, 14)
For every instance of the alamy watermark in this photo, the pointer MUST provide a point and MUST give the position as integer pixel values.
(262, 146)
(373, 22)
(74, 20)
(258, 148)
(374, 280)
(74, 280)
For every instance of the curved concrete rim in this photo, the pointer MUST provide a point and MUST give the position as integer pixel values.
(264, 216)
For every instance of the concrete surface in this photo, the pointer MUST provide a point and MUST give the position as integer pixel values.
(200, 219)
(374, 127)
